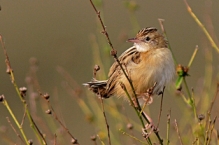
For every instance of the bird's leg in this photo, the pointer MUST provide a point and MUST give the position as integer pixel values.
(148, 100)
(149, 126)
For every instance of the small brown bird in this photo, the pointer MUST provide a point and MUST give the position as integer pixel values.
(148, 62)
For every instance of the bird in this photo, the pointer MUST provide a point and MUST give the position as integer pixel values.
(148, 63)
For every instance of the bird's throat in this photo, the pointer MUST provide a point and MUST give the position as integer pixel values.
(141, 47)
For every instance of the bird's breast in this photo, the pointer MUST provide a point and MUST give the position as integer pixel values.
(156, 66)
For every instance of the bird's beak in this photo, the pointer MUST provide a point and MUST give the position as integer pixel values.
(135, 40)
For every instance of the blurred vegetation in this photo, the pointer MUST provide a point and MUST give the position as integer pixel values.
(196, 123)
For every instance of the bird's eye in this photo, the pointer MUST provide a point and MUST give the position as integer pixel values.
(147, 38)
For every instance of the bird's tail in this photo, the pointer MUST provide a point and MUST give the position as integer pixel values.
(98, 87)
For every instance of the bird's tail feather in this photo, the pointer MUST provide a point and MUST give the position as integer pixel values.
(98, 87)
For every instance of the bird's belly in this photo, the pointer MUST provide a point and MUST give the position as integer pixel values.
(144, 79)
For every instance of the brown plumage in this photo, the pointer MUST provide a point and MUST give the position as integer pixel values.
(149, 61)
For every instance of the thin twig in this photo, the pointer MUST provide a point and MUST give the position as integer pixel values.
(177, 131)
(194, 107)
(52, 111)
(36, 129)
(211, 130)
(188, 91)
(22, 121)
(18, 135)
(207, 131)
(161, 105)
(195, 141)
(213, 44)
(132, 103)
(103, 26)
(15, 119)
(212, 104)
(74, 140)
(8, 65)
(193, 56)
(168, 126)
(133, 137)
(191, 99)
(102, 143)
(137, 111)
(107, 125)
(165, 34)
(186, 73)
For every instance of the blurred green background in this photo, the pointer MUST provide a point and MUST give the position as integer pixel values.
(60, 33)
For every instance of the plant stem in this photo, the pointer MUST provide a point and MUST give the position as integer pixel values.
(15, 120)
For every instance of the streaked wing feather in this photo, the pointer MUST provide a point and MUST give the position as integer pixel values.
(131, 55)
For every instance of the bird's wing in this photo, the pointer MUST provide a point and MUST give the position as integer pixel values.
(131, 55)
